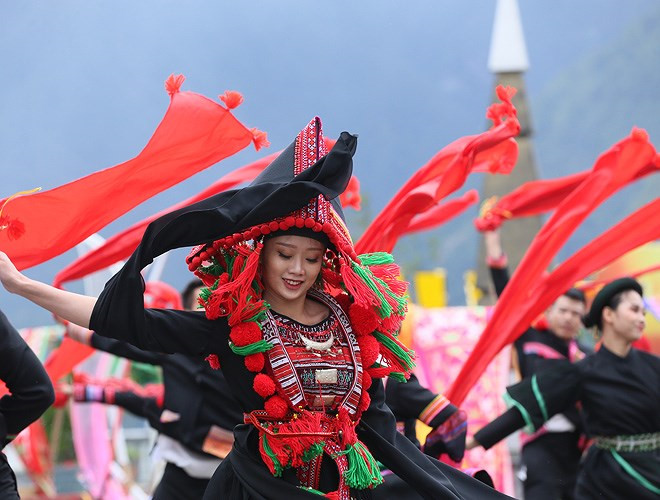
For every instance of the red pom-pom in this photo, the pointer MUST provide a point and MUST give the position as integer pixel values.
(290, 221)
(363, 321)
(259, 139)
(317, 227)
(173, 83)
(213, 361)
(369, 349)
(264, 229)
(284, 226)
(274, 225)
(309, 223)
(276, 407)
(263, 385)
(196, 262)
(245, 333)
(365, 401)
(366, 381)
(344, 301)
(300, 222)
(255, 362)
(231, 98)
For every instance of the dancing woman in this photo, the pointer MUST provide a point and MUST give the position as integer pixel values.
(302, 328)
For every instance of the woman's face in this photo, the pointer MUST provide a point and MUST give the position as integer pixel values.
(290, 266)
(627, 320)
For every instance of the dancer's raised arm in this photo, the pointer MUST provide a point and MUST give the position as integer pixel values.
(70, 306)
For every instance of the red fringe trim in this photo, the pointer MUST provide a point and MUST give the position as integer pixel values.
(173, 84)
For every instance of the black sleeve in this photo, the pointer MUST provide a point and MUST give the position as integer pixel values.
(492, 433)
(124, 350)
(411, 399)
(162, 330)
(427, 476)
(31, 390)
(500, 277)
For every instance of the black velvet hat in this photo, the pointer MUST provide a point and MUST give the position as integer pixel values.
(604, 296)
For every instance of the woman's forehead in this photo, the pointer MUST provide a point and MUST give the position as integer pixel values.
(297, 242)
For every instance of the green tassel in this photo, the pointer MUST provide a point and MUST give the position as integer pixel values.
(276, 463)
(363, 470)
(401, 302)
(253, 348)
(376, 258)
(398, 376)
(403, 355)
(313, 451)
(385, 309)
(208, 291)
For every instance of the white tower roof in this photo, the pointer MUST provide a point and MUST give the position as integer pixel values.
(508, 53)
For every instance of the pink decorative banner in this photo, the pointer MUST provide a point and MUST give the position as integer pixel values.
(442, 339)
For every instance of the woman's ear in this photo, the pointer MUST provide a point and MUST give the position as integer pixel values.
(607, 315)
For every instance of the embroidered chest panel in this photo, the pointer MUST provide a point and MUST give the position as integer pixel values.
(317, 367)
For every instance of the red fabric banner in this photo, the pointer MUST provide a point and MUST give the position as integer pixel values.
(194, 134)
(121, 245)
(530, 291)
(535, 198)
(492, 151)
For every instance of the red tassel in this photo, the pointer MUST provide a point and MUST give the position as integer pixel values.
(332, 495)
(173, 84)
(231, 98)
(259, 138)
(213, 361)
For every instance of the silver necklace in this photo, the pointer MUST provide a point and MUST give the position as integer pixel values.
(313, 345)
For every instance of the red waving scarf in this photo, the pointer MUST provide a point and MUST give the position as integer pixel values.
(122, 244)
(529, 291)
(590, 285)
(493, 151)
(535, 198)
(194, 134)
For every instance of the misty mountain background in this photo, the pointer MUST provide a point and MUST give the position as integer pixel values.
(82, 89)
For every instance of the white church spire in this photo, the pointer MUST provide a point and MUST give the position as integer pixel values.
(508, 53)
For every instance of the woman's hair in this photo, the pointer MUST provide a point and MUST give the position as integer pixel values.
(613, 303)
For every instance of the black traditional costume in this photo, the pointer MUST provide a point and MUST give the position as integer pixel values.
(314, 421)
(550, 455)
(196, 410)
(31, 395)
(620, 400)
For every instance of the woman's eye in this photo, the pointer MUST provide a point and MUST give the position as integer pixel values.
(284, 256)
(312, 261)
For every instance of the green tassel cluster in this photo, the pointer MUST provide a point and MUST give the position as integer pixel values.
(376, 258)
(253, 348)
(363, 471)
(276, 463)
(384, 309)
(403, 355)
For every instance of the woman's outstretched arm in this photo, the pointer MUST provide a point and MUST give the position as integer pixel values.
(70, 306)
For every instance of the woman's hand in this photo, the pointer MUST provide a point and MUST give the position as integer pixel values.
(11, 278)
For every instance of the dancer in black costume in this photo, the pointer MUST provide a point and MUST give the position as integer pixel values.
(619, 390)
(305, 372)
(31, 393)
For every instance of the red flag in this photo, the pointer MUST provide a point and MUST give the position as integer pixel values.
(530, 291)
(194, 134)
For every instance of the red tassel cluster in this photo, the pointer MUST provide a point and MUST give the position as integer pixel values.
(213, 361)
(14, 227)
(259, 139)
(231, 98)
(498, 112)
(173, 84)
